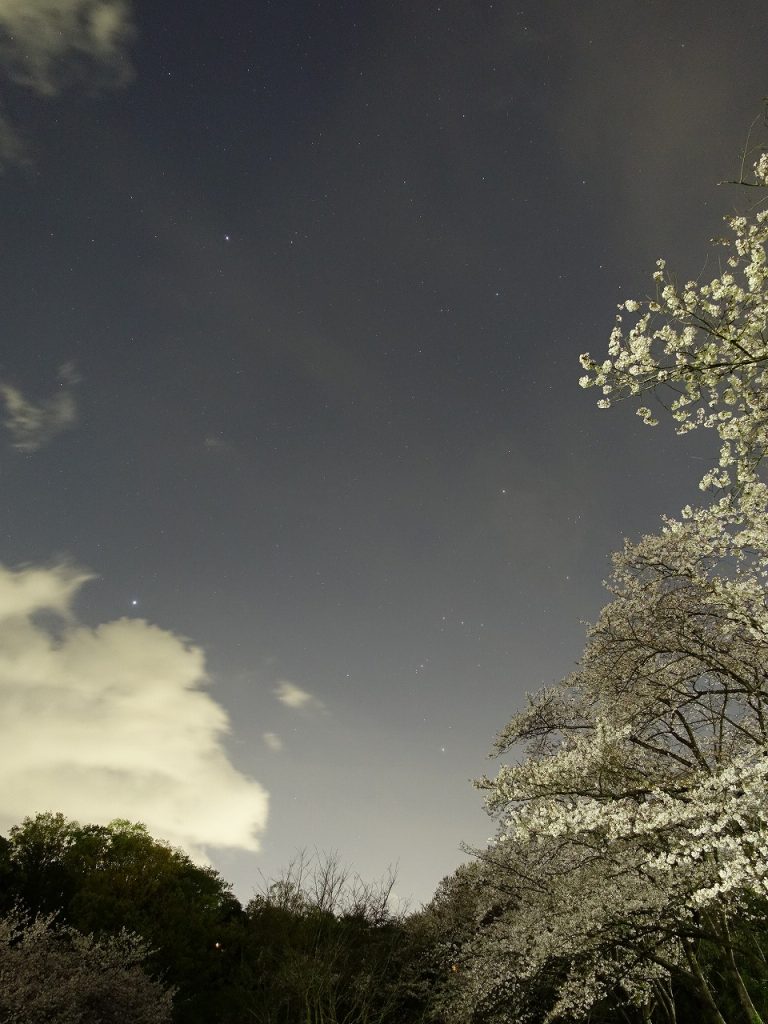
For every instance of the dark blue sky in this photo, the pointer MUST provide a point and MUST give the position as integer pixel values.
(325, 272)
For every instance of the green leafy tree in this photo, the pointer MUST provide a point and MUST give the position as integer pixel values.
(102, 879)
(438, 933)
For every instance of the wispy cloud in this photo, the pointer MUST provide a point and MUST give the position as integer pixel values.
(273, 741)
(13, 149)
(216, 443)
(294, 697)
(46, 45)
(113, 721)
(33, 424)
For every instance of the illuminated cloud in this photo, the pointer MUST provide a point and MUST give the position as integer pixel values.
(46, 45)
(294, 697)
(273, 741)
(32, 424)
(113, 722)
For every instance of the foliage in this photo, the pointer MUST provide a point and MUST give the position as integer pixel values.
(439, 933)
(52, 974)
(102, 879)
(638, 823)
(317, 945)
(326, 949)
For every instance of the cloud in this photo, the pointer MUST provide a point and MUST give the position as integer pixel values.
(113, 721)
(294, 697)
(32, 424)
(216, 443)
(46, 44)
(13, 149)
(273, 741)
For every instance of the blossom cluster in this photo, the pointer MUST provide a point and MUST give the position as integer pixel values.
(705, 344)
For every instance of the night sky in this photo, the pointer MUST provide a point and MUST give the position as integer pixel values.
(293, 297)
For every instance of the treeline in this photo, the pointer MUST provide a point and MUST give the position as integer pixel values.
(106, 925)
(316, 945)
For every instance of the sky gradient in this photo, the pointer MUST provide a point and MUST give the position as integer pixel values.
(293, 300)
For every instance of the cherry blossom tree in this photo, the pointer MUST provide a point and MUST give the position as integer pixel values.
(704, 348)
(636, 826)
(54, 974)
(631, 857)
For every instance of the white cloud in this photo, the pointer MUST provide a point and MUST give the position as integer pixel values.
(273, 741)
(33, 424)
(45, 44)
(113, 722)
(293, 696)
